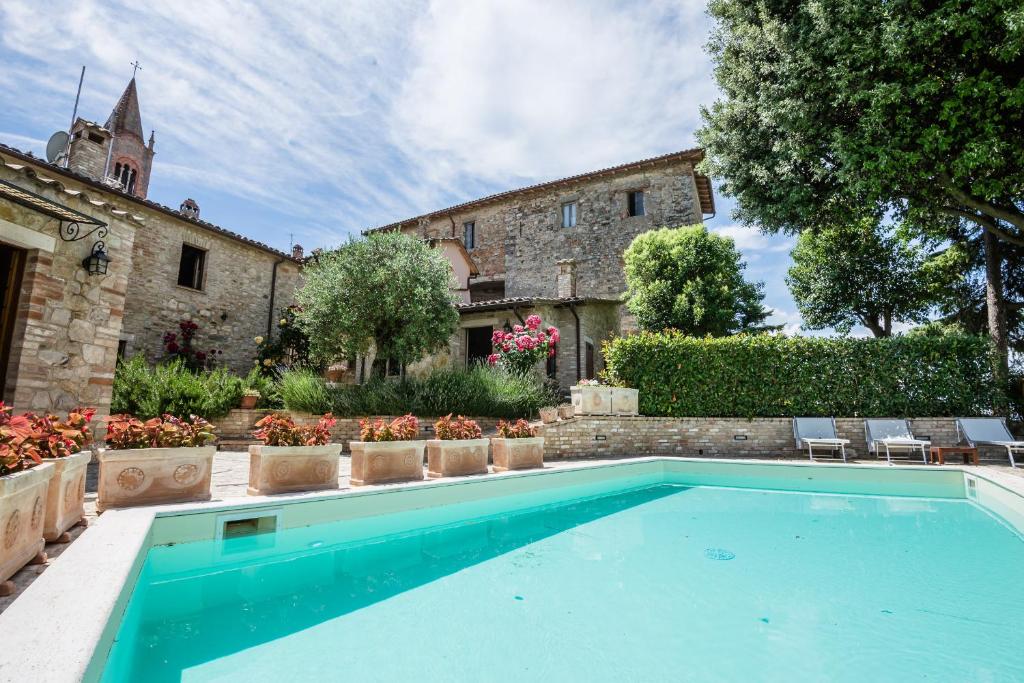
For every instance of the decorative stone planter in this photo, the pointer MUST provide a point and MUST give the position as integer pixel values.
(565, 411)
(286, 469)
(22, 512)
(148, 476)
(381, 462)
(625, 401)
(454, 458)
(65, 497)
(548, 415)
(517, 454)
(591, 400)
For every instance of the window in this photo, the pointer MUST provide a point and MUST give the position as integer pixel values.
(96, 137)
(636, 203)
(589, 360)
(191, 267)
(569, 215)
(469, 234)
(131, 181)
(552, 363)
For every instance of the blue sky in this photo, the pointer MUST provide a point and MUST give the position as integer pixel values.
(315, 120)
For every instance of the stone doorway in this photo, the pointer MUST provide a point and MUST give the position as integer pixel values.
(12, 267)
(478, 344)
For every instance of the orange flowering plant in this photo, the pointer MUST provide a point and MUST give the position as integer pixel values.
(281, 430)
(405, 428)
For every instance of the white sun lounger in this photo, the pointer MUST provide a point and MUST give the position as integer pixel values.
(988, 431)
(893, 435)
(818, 432)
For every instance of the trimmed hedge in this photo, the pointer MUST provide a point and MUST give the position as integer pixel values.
(778, 376)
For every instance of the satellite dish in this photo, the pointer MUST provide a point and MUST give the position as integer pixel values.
(56, 146)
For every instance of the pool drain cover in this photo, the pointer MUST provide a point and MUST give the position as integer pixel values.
(718, 554)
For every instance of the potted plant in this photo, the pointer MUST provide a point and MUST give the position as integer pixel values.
(458, 449)
(24, 480)
(590, 398)
(387, 451)
(548, 414)
(517, 447)
(293, 458)
(61, 444)
(249, 399)
(163, 460)
(565, 411)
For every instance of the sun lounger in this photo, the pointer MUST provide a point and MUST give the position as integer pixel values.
(988, 431)
(820, 433)
(893, 436)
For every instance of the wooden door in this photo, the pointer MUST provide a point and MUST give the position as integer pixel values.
(12, 264)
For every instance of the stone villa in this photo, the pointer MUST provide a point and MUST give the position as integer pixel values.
(61, 327)
(555, 249)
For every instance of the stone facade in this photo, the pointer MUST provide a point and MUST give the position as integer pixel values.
(717, 437)
(67, 323)
(232, 306)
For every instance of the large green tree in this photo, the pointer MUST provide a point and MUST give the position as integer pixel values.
(389, 291)
(865, 274)
(691, 280)
(910, 108)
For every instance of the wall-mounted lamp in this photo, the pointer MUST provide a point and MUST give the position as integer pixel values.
(508, 326)
(96, 262)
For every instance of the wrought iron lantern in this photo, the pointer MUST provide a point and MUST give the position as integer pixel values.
(96, 262)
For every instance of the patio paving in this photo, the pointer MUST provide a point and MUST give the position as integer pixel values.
(230, 480)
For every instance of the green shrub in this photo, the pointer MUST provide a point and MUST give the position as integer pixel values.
(477, 392)
(777, 376)
(268, 386)
(149, 391)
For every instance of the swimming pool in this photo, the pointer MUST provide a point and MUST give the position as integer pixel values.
(644, 569)
(650, 580)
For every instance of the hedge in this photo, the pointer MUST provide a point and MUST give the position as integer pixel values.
(779, 376)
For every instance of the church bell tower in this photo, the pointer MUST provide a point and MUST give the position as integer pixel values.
(115, 153)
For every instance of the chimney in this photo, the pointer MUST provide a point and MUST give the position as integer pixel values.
(189, 208)
(297, 252)
(566, 278)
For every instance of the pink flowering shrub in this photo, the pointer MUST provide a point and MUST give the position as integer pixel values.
(522, 348)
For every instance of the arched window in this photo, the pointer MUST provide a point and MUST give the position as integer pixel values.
(131, 181)
(117, 170)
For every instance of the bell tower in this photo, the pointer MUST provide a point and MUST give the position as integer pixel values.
(115, 153)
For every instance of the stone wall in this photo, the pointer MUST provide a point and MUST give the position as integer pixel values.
(521, 238)
(610, 437)
(232, 307)
(65, 338)
(236, 427)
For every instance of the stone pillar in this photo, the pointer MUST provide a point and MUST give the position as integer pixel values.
(566, 278)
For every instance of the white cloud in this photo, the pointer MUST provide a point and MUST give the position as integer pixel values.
(344, 116)
(751, 241)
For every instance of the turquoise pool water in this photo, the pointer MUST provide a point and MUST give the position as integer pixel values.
(664, 583)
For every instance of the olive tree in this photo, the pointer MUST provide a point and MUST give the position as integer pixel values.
(389, 290)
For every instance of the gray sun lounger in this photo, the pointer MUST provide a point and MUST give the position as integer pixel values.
(820, 433)
(894, 436)
(988, 431)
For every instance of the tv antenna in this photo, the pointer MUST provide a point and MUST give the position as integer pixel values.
(58, 147)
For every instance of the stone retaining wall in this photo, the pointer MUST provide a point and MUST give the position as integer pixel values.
(608, 437)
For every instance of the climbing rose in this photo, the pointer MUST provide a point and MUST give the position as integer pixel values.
(492, 359)
(533, 321)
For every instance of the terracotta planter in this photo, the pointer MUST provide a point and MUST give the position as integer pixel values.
(625, 401)
(517, 454)
(286, 469)
(65, 497)
(565, 411)
(148, 476)
(454, 458)
(548, 415)
(249, 402)
(591, 400)
(380, 462)
(22, 512)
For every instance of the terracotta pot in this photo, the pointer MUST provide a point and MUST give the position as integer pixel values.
(380, 462)
(22, 512)
(548, 415)
(565, 411)
(454, 458)
(65, 496)
(249, 402)
(148, 476)
(625, 401)
(286, 469)
(591, 400)
(517, 454)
